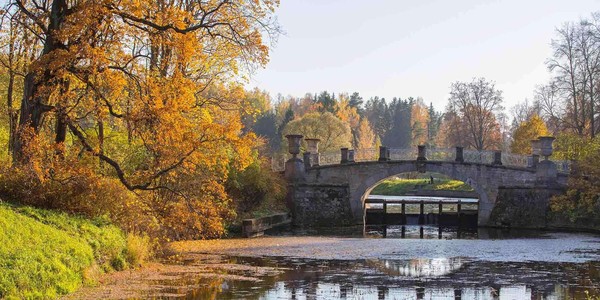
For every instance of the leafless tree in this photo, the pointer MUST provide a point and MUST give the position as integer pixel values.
(478, 104)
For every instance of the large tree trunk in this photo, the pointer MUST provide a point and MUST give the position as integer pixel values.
(33, 106)
(30, 120)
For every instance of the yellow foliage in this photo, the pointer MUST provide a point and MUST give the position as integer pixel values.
(333, 133)
(150, 93)
(526, 132)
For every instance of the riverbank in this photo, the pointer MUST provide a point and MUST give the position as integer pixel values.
(45, 254)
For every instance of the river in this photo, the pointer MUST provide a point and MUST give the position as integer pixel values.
(402, 262)
(486, 264)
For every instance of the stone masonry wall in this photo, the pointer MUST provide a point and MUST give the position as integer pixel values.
(318, 205)
(522, 207)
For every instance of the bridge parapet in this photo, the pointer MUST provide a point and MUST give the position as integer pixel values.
(432, 154)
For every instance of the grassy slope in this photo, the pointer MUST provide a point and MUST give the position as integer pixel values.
(400, 186)
(44, 254)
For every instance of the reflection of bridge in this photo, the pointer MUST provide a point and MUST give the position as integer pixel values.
(334, 194)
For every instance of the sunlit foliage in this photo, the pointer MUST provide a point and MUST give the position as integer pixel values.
(525, 133)
(148, 93)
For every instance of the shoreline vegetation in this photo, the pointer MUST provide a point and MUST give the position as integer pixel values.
(51, 253)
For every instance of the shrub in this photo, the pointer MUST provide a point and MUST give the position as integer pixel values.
(580, 204)
(256, 188)
(138, 249)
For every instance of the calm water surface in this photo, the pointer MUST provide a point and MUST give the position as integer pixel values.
(446, 264)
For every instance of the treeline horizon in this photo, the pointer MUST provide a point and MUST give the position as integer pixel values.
(567, 107)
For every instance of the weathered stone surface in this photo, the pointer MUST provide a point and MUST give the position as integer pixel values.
(335, 194)
(523, 207)
(256, 227)
(320, 205)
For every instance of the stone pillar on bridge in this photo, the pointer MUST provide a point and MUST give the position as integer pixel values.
(313, 149)
(546, 172)
(294, 167)
(351, 155)
(344, 152)
(535, 160)
(307, 161)
(535, 153)
(384, 154)
(422, 154)
(459, 155)
(497, 158)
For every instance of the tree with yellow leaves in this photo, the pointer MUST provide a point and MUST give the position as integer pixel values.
(365, 137)
(333, 132)
(527, 131)
(165, 73)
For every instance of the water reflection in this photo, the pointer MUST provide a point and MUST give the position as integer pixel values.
(418, 267)
(431, 262)
(439, 278)
(420, 232)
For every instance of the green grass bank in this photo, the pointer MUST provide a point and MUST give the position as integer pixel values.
(45, 254)
(401, 186)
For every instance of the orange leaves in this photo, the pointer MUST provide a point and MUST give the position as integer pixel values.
(150, 88)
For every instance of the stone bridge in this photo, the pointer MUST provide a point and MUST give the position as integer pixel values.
(334, 194)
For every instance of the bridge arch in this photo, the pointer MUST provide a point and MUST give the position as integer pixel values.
(378, 179)
(365, 185)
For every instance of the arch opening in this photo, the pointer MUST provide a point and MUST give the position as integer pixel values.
(415, 204)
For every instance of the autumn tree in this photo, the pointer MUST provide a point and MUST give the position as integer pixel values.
(452, 131)
(419, 119)
(166, 73)
(333, 133)
(348, 114)
(476, 104)
(526, 132)
(255, 104)
(17, 46)
(365, 137)
(579, 204)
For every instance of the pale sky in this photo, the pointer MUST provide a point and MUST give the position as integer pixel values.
(398, 48)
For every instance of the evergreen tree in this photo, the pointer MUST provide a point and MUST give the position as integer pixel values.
(400, 134)
(433, 126)
(326, 102)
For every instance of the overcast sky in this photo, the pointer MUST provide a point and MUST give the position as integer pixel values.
(415, 48)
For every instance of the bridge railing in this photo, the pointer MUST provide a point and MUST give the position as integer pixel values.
(479, 157)
(436, 154)
(440, 154)
(330, 158)
(516, 160)
(402, 154)
(370, 154)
